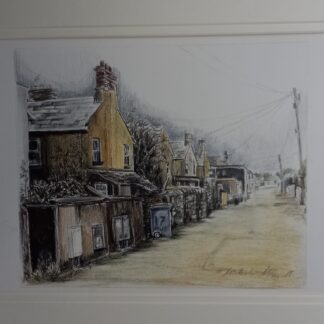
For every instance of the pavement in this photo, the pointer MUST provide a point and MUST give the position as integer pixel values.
(257, 244)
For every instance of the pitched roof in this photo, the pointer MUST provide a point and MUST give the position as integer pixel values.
(179, 149)
(58, 115)
(125, 177)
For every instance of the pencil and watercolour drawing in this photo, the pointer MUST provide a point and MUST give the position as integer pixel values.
(176, 162)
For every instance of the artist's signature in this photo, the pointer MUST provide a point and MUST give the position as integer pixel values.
(267, 272)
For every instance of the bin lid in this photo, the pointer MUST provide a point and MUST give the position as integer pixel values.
(161, 206)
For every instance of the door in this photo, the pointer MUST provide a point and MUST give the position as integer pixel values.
(118, 228)
(121, 227)
(75, 241)
(98, 237)
(126, 227)
(42, 237)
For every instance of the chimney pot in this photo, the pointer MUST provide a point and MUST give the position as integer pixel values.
(105, 79)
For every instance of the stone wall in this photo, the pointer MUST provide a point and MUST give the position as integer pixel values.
(175, 197)
(211, 195)
(190, 203)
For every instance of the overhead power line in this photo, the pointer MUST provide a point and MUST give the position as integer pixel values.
(255, 108)
(289, 129)
(241, 113)
(255, 84)
(248, 117)
(251, 137)
(254, 119)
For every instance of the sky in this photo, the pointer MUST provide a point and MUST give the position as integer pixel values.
(238, 90)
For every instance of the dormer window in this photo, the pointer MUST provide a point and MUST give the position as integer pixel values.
(96, 152)
(35, 152)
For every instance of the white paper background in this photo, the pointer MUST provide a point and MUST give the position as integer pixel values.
(158, 305)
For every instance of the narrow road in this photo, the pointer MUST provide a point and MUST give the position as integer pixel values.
(259, 243)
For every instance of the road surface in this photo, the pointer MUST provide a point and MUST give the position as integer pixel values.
(259, 243)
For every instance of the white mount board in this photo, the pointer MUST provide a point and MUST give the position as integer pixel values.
(77, 19)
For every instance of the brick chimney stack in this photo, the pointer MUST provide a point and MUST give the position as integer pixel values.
(226, 157)
(188, 139)
(105, 79)
(38, 93)
(201, 146)
(202, 142)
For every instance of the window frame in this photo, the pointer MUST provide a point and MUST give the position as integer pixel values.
(127, 165)
(37, 151)
(109, 188)
(98, 160)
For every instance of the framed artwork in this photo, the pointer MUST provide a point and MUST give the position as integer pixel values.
(165, 171)
(202, 142)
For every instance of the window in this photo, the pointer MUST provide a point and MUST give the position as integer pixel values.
(101, 188)
(96, 156)
(126, 157)
(125, 190)
(35, 152)
(106, 189)
(98, 237)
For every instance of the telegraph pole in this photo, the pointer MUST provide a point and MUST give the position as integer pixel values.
(281, 175)
(296, 108)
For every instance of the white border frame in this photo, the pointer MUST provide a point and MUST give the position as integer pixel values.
(155, 305)
(181, 30)
(159, 305)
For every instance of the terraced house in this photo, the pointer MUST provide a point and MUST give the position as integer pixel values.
(75, 134)
(87, 140)
(203, 165)
(184, 168)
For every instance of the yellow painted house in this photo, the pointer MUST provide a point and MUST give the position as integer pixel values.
(71, 135)
(108, 132)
